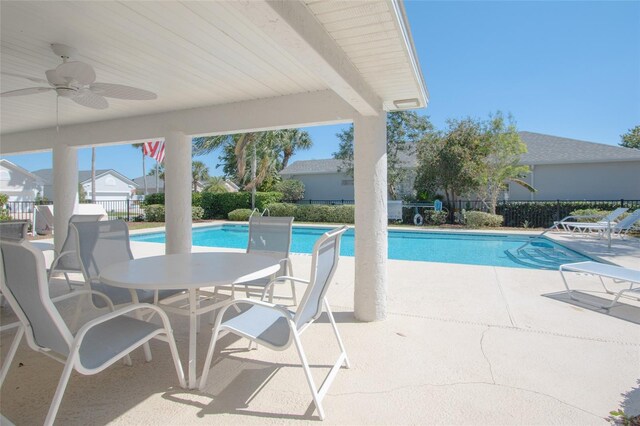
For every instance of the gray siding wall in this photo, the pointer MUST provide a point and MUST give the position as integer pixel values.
(588, 181)
(330, 186)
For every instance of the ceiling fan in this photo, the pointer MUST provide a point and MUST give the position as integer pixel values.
(75, 80)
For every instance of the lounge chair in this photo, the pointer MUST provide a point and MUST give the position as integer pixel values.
(43, 216)
(620, 229)
(570, 225)
(95, 346)
(616, 273)
(276, 327)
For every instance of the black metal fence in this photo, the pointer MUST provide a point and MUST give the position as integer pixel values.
(517, 214)
(128, 210)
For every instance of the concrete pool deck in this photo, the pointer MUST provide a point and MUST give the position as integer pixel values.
(462, 344)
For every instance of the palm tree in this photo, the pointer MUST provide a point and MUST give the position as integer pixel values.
(140, 146)
(93, 174)
(292, 140)
(215, 184)
(199, 173)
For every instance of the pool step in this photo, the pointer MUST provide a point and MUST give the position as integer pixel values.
(545, 258)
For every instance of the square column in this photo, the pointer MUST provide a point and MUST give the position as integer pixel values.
(65, 190)
(177, 192)
(370, 184)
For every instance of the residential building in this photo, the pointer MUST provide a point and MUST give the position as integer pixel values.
(18, 183)
(110, 184)
(561, 168)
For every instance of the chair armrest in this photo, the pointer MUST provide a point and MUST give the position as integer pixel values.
(233, 302)
(288, 278)
(83, 291)
(589, 216)
(56, 260)
(111, 315)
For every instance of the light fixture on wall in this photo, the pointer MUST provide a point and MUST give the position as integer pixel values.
(407, 103)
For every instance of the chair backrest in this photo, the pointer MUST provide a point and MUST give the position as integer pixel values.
(43, 219)
(626, 223)
(88, 209)
(324, 262)
(101, 244)
(270, 235)
(72, 262)
(614, 214)
(23, 281)
(14, 229)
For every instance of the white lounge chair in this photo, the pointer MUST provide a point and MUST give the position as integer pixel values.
(570, 225)
(276, 327)
(95, 346)
(617, 273)
(620, 229)
(43, 216)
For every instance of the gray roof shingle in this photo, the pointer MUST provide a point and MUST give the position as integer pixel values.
(541, 149)
(547, 149)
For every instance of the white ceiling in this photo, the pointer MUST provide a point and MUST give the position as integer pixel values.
(192, 54)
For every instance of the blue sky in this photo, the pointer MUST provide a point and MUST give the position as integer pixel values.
(568, 69)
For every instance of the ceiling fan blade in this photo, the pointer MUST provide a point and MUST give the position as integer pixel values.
(35, 80)
(78, 71)
(120, 91)
(54, 79)
(90, 100)
(28, 91)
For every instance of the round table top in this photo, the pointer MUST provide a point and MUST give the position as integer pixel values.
(189, 270)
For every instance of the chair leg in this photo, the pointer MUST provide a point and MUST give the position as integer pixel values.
(66, 277)
(62, 385)
(335, 330)
(207, 360)
(176, 358)
(12, 352)
(307, 371)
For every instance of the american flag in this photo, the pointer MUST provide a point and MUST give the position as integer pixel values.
(154, 149)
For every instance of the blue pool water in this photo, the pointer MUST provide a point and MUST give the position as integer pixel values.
(466, 248)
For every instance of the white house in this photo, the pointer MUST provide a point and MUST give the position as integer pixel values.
(151, 185)
(110, 185)
(18, 183)
(561, 168)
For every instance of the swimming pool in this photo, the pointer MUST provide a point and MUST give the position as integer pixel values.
(466, 248)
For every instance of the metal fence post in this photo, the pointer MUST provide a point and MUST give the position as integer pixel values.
(558, 210)
(621, 202)
(128, 211)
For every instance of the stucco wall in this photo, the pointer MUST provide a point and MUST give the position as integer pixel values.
(109, 187)
(588, 181)
(330, 186)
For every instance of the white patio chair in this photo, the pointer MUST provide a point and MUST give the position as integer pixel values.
(271, 236)
(621, 229)
(95, 346)
(101, 244)
(572, 225)
(67, 261)
(277, 328)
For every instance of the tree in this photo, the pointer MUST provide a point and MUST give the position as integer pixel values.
(160, 172)
(631, 139)
(404, 130)
(291, 189)
(215, 184)
(93, 174)
(82, 194)
(289, 141)
(451, 161)
(140, 146)
(199, 173)
(503, 149)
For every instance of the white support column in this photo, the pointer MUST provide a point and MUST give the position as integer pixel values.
(370, 181)
(65, 190)
(177, 188)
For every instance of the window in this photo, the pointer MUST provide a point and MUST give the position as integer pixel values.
(347, 182)
(5, 175)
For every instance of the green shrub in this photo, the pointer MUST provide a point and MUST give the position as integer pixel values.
(314, 212)
(541, 214)
(436, 218)
(196, 199)
(4, 213)
(197, 213)
(218, 205)
(4, 198)
(282, 209)
(597, 213)
(154, 199)
(239, 214)
(154, 213)
(263, 199)
(475, 219)
(291, 189)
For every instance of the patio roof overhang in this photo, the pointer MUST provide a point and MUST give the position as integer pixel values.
(217, 67)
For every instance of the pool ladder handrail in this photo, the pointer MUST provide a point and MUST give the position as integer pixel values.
(256, 210)
(554, 226)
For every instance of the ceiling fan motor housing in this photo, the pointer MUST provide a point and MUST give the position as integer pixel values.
(66, 92)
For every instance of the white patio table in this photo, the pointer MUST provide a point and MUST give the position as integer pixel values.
(189, 271)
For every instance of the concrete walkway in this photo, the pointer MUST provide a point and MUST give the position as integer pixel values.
(461, 345)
